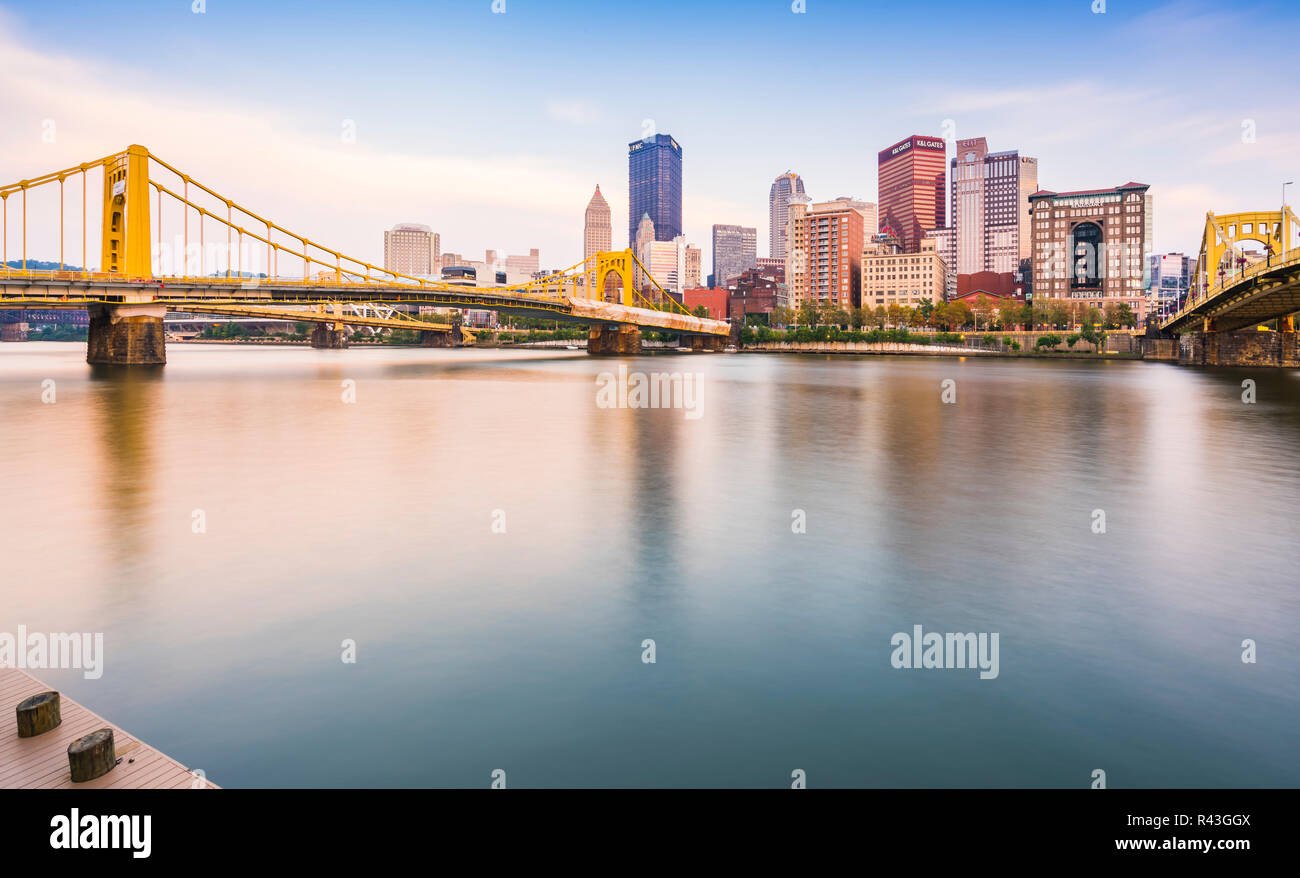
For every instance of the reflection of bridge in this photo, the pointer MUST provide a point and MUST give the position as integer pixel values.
(202, 255)
(1234, 291)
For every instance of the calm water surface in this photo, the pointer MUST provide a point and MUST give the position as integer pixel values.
(522, 650)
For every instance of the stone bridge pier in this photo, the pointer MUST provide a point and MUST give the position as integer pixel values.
(622, 338)
(1243, 347)
(126, 334)
(13, 332)
(708, 343)
(329, 336)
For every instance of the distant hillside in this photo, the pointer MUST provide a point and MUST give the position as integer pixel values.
(41, 265)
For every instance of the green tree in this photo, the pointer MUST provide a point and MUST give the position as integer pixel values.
(807, 313)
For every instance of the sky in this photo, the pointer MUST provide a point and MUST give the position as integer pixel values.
(494, 127)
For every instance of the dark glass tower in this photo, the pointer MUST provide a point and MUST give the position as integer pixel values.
(654, 186)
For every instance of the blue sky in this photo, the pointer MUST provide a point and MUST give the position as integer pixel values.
(494, 128)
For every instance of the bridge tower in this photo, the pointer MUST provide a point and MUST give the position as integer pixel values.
(126, 214)
(617, 338)
(129, 333)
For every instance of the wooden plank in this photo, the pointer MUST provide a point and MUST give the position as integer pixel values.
(42, 762)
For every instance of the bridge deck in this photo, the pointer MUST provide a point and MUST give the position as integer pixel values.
(42, 762)
(71, 289)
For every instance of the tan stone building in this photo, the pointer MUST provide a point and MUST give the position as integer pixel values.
(892, 277)
(694, 265)
(410, 248)
(597, 230)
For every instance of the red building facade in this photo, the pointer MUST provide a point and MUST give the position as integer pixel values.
(912, 176)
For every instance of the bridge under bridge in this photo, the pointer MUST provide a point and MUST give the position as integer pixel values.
(160, 231)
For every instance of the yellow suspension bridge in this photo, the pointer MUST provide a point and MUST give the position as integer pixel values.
(167, 242)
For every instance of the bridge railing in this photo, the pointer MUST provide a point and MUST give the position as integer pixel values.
(1233, 279)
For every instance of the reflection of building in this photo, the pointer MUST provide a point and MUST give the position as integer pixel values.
(990, 207)
(654, 186)
(734, 250)
(1090, 246)
(778, 212)
(891, 276)
(911, 188)
(410, 248)
(826, 242)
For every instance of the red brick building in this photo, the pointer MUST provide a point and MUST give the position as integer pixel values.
(714, 300)
(756, 292)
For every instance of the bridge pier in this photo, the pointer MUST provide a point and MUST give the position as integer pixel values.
(325, 337)
(701, 343)
(435, 338)
(624, 338)
(13, 332)
(1242, 348)
(127, 334)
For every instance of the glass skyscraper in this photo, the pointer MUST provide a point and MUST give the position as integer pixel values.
(654, 186)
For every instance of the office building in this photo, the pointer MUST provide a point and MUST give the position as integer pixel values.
(412, 249)
(778, 212)
(1090, 246)
(734, 250)
(654, 186)
(911, 177)
(989, 214)
(891, 276)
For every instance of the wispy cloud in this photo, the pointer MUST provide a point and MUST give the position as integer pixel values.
(577, 112)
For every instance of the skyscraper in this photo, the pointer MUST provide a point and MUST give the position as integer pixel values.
(410, 248)
(990, 207)
(597, 230)
(734, 250)
(654, 186)
(778, 211)
(911, 188)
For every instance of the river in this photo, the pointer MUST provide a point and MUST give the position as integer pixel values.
(499, 548)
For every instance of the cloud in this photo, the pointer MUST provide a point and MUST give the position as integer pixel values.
(576, 112)
(311, 181)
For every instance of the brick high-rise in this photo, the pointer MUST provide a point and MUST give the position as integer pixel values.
(912, 175)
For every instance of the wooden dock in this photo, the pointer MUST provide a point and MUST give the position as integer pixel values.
(42, 762)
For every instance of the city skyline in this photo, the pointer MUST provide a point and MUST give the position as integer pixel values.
(1202, 145)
